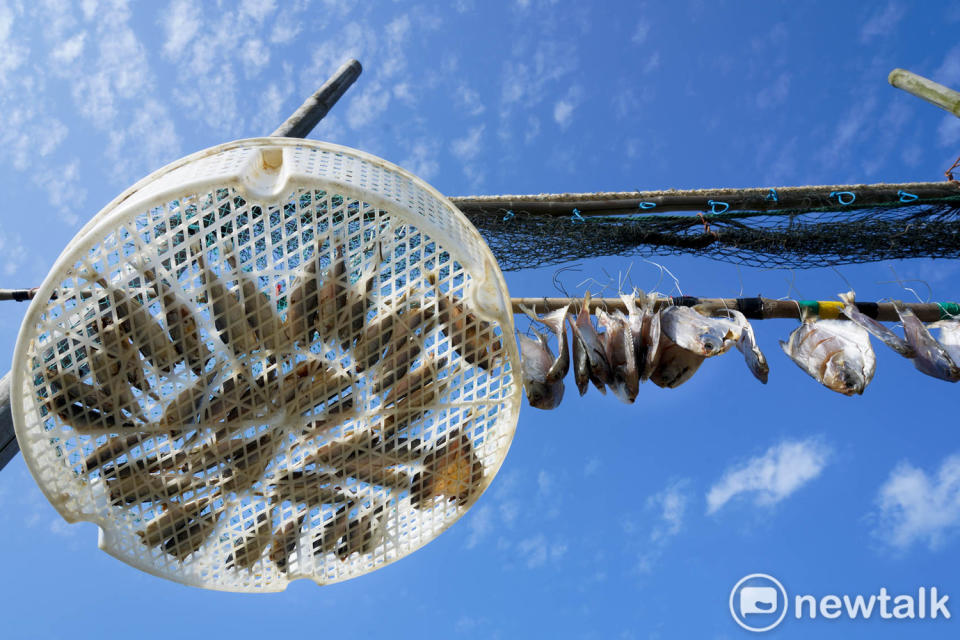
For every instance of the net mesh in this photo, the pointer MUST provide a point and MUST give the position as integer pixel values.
(240, 394)
(818, 233)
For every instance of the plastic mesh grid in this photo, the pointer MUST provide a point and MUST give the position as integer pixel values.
(243, 393)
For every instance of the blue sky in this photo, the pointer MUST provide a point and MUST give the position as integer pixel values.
(606, 520)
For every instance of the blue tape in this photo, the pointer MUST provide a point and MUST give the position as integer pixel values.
(906, 196)
(716, 203)
(647, 205)
(772, 196)
(840, 195)
(576, 217)
(508, 216)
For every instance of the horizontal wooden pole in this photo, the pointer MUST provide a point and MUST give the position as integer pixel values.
(752, 199)
(757, 308)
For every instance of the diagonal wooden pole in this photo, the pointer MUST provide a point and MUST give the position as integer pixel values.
(926, 89)
(298, 125)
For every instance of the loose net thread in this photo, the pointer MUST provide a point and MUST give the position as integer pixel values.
(220, 442)
(820, 234)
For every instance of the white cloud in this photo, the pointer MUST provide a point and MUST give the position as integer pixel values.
(563, 113)
(403, 92)
(12, 54)
(773, 476)
(145, 144)
(508, 512)
(544, 482)
(641, 32)
(284, 30)
(467, 147)
(670, 508)
(12, 253)
(882, 22)
(255, 56)
(257, 9)
(653, 63)
(422, 158)
(481, 524)
(917, 507)
(949, 72)
(468, 100)
(774, 93)
(948, 133)
(537, 550)
(368, 105)
(181, 24)
(69, 50)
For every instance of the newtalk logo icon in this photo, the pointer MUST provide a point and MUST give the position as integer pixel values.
(758, 602)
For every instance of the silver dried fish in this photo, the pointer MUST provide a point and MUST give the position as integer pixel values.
(878, 330)
(835, 353)
(931, 359)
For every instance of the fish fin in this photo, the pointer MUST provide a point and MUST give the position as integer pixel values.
(785, 347)
(848, 298)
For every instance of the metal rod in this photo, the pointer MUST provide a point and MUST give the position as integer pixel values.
(709, 200)
(314, 108)
(758, 308)
(17, 295)
(926, 89)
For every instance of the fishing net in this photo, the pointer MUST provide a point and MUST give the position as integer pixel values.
(274, 359)
(801, 228)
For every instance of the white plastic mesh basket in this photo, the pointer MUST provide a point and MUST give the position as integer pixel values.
(274, 359)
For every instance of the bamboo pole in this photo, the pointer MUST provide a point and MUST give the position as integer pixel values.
(926, 89)
(847, 196)
(312, 111)
(298, 125)
(758, 308)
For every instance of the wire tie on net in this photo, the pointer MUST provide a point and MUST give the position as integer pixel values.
(717, 203)
(706, 225)
(840, 195)
(509, 216)
(906, 196)
(647, 205)
(576, 217)
(772, 196)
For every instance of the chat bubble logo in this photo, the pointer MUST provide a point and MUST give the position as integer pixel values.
(758, 602)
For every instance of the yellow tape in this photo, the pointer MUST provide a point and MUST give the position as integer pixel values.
(830, 310)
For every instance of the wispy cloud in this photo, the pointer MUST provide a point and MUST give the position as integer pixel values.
(775, 92)
(882, 22)
(949, 71)
(771, 477)
(468, 100)
(180, 25)
(536, 550)
(468, 147)
(481, 524)
(918, 507)
(948, 133)
(640, 32)
(669, 507)
(563, 109)
(12, 253)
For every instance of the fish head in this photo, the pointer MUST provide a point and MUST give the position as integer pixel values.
(711, 343)
(840, 375)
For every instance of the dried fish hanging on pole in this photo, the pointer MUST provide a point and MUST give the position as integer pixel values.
(672, 337)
